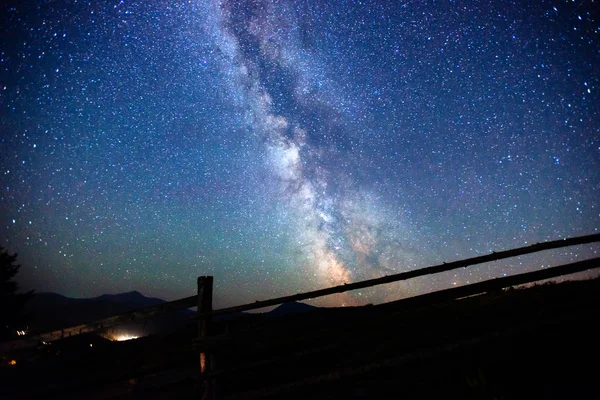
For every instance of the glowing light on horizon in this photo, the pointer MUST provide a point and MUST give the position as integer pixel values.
(122, 338)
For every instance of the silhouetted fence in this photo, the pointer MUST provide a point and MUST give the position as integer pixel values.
(203, 299)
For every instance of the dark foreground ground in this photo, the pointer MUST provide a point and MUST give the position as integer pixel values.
(540, 342)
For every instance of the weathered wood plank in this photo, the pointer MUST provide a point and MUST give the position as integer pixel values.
(191, 301)
(204, 304)
(435, 298)
(412, 274)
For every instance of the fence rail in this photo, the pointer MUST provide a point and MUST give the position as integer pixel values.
(494, 256)
(205, 344)
(204, 313)
(489, 286)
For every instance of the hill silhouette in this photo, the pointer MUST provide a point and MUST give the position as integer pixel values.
(52, 311)
(291, 308)
(537, 342)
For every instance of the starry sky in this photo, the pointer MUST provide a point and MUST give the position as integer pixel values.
(284, 146)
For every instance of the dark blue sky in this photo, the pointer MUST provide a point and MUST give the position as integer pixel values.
(285, 146)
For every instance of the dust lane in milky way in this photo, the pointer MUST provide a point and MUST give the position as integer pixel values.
(286, 146)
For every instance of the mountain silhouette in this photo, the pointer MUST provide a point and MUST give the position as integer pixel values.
(134, 299)
(52, 311)
(291, 308)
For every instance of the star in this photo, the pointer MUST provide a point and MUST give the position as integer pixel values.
(283, 147)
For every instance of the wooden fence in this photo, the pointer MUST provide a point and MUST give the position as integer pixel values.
(203, 299)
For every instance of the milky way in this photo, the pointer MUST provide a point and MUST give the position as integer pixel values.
(287, 146)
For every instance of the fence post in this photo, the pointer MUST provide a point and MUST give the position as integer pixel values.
(205, 290)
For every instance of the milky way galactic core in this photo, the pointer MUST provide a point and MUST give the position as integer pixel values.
(285, 146)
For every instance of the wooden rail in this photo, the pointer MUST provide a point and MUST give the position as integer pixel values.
(192, 301)
(491, 285)
(349, 370)
(494, 256)
(495, 284)
(203, 300)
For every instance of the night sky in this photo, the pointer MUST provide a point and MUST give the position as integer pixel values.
(285, 146)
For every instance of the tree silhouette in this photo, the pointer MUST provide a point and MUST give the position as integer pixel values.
(11, 302)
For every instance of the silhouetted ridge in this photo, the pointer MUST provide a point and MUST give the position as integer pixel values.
(133, 297)
(50, 311)
(291, 308)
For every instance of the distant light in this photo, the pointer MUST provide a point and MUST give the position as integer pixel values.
(122, 338)
(12, 362)
(91, 345)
